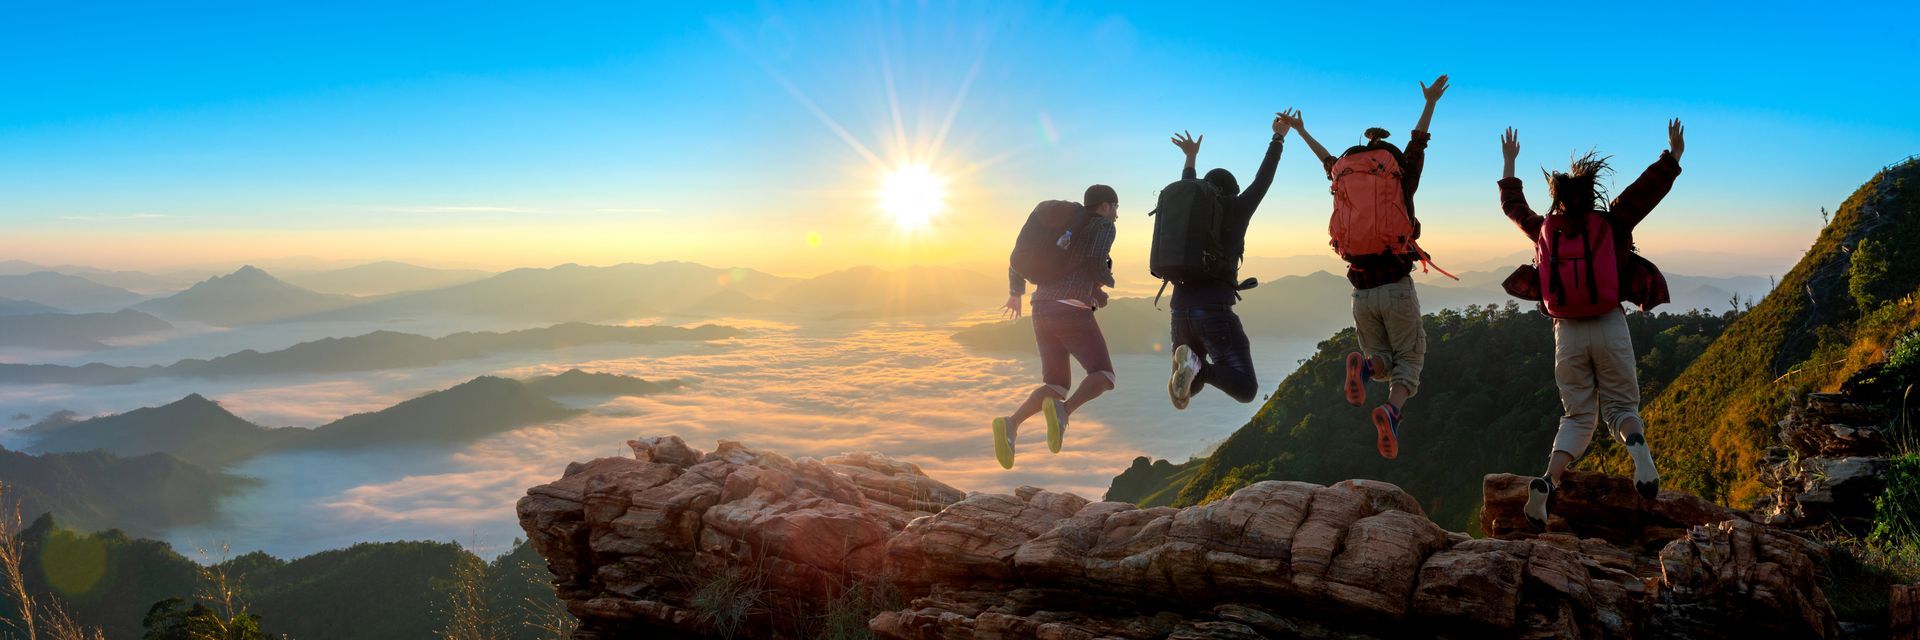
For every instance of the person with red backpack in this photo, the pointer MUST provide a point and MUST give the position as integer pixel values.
(1063, 249)
(1210, 344)
(1375, 231)
(1584, 267)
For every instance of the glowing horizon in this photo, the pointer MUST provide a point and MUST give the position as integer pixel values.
(763, 137)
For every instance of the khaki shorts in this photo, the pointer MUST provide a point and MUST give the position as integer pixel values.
(1594, 367)
(1387, 321)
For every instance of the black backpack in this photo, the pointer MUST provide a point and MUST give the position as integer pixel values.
(1189, 229)
(1041, 254)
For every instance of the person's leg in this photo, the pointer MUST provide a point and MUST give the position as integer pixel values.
(1370, 330)
(1054, 371)
(1231, 369)
(1189, 358)
(1407, 342)
(1573, 374)
(1089, 346)
(1619, 389)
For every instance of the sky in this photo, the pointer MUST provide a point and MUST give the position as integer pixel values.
(502, 135)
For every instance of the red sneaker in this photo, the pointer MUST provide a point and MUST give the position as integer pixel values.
(1386, 422)
(1359, 369)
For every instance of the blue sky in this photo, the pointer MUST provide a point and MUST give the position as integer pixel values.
(525, 135)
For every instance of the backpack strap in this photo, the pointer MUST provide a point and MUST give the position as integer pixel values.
(1426, 260)
(1593, 281)
(1156, 297)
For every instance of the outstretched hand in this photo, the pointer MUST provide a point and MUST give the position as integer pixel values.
(1676, 137)
(1294, 120)
(1510, 144)
(1011, 310)
(1438, 88)
(1187, 143)
(1280, 124)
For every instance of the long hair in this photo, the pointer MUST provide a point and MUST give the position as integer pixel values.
(1578, 190)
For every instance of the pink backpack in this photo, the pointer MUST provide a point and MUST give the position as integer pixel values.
(1579, 268)
(1369, 207)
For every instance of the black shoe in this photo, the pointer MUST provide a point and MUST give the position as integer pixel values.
(1539, 498)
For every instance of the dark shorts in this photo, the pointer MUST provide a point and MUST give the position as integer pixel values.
(1063, 330)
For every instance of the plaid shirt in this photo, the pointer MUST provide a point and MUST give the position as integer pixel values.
(1091, 247)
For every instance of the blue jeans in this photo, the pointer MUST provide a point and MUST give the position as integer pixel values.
(1214, 334)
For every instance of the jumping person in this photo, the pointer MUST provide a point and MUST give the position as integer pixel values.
(1586, 268)
(1375, 230)
(1210, 345)
(1063, 302)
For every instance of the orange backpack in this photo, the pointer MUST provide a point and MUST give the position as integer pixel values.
(1370, 208)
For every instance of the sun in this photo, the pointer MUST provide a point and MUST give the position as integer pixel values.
(913, 195)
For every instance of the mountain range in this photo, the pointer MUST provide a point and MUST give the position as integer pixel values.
(77, 331)
(368, 352)
(200, 431)
(94, 490)
(247, 296)
(67, 292)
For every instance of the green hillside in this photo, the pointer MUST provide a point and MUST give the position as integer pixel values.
(1487, 405)
(372, 591)
(1835, 312)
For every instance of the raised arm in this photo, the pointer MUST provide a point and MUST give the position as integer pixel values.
(1513, 201)
(1299, 123)
(1250, 197)
(1646, 192)
(1433, 94)
(1190, 146)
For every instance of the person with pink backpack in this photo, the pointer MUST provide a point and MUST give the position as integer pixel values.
(1375, 231)
(1584, 267)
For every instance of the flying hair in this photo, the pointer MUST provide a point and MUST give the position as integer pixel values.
(1579, 189)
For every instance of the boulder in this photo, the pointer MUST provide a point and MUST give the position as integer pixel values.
(673, 543)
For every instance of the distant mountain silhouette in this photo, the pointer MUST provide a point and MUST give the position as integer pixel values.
(139, 282)
(96, 490)
(580, 383)
(75, 330)
(916, 290)
(729, 302)
(200, 431)
(193, 428)
(12, 307)
(369, 352)
(382, 278)
(567, 293)
(477, 408)
(73, 293)
(246, 296)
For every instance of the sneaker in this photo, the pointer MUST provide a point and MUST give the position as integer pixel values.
(1186, 366)
(1002, 447)
(1386, 423)
(1056, 413)
(1359, 369)
(1645, 477)
(1539, 496)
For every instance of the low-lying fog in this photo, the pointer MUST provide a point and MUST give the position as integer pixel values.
(902, 388)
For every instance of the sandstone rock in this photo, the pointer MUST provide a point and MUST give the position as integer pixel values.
(638, 546)
(1903, 605)
(1599, 506)
(1760, 581)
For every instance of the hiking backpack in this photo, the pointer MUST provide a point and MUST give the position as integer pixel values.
(1189, 235)
(1578, 265)
(1041, 253)
(1370, 206)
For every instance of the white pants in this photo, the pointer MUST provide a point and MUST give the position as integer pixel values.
(1594, 367)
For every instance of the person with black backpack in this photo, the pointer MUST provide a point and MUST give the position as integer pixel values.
(1063, 249)
(1584, 267)
(1199, 235)
(1375, 231)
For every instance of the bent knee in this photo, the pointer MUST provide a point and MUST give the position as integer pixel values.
(1112, 380)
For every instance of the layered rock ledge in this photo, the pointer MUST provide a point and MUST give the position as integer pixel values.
(676, 543)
